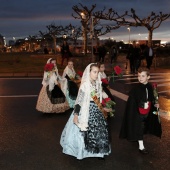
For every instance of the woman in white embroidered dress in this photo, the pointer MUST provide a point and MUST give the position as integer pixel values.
(86, 132)
(51, 98)
(69, 87)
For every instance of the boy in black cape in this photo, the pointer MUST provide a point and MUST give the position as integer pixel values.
(139, 117)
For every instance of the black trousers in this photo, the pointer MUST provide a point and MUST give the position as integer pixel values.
(149, 62)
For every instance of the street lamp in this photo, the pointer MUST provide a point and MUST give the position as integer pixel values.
(139, 36)
(83, 30)
(129, 34)
(64, 36)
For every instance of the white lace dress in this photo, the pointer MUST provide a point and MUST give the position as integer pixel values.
(93, 142)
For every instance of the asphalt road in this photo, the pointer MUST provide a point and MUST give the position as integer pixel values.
(29, 140)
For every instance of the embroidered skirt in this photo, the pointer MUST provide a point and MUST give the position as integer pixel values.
(92, 143)
(52, 102)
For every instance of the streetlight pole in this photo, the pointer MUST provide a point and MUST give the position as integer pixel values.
(84, 30)
(129, 34)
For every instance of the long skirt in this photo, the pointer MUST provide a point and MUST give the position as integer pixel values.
(71, 93)
(50, 103)
(92, 143)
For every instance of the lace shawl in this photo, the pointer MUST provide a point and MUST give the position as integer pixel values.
(84, 97)
(70, 72)
(51, 78)
(63, 82)
(103, 75)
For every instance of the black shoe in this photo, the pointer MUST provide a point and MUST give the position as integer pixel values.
(144, 151)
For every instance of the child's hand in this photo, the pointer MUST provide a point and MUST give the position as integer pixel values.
(107, 109)
(75, 119)
(157, 105)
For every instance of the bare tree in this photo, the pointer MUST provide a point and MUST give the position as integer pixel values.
(31, 40)
(76, 33)
(57, 31)
(84, 14)
(91, 18)
(151, 22)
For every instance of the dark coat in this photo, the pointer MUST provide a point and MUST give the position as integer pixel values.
(146, 52)
(134, 53)
(132, 124)
(65, 51)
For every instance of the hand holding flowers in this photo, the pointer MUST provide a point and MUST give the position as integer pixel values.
(108, 104)
(49, 67)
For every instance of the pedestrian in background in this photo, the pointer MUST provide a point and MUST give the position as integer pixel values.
(149, 54)
(139, 117)
(102, 53)
(113, 54)
(134, 58)
(65, 51)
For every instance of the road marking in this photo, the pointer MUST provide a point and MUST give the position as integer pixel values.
(119, 95)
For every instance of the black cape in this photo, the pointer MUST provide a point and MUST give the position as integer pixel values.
(132, 122)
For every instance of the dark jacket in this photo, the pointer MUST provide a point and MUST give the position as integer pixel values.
(65, 50)
(134, 53)
(146, 52)
(132, 122)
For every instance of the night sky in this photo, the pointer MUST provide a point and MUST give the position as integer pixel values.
(21, 18)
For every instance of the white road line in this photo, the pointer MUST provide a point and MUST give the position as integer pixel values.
(122, 96)
(119, 95)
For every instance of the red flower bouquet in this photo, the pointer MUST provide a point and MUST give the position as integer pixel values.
(118, 71)
(155, 92)
(108, 103)
(105, 81)
(49, 67)
(80, 73)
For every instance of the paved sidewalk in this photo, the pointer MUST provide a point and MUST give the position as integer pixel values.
(78, 62)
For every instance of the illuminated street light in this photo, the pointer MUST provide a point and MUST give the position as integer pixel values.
(139, 36)
(64, 36)
(4, 41)
(84, 30)
(83, 15)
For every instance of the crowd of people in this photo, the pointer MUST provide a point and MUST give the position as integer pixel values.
(87, 132)
(136, 54)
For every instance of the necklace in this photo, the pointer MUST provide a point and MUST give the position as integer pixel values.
(94, 86)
